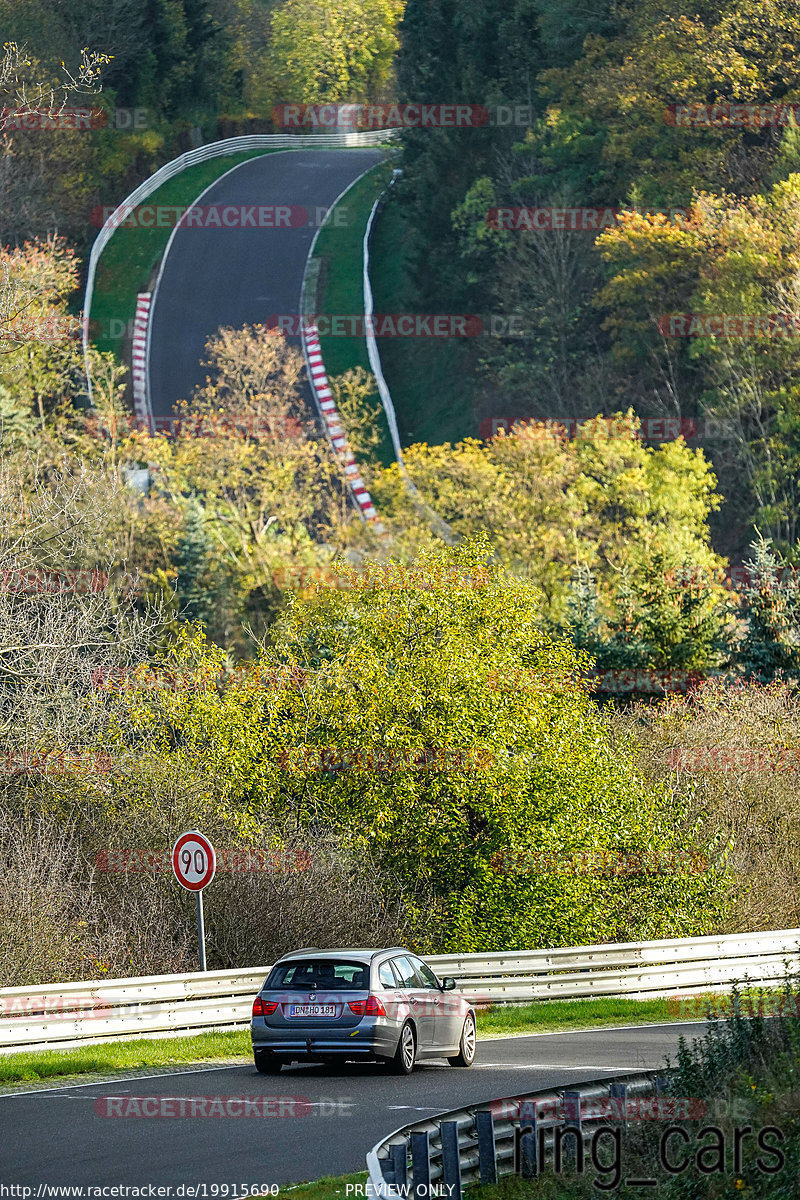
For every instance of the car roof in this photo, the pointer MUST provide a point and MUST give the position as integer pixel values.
(362, 954)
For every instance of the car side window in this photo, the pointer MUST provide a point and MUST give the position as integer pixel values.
(386, 975)
(427, 976)
(406, 973)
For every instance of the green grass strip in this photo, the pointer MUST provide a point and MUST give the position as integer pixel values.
(133, 252)
(553, 1015)
(329, 1188)
(433, 381)
(133, 1054)
(340, 248)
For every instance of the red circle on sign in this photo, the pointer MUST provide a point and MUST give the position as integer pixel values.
(194, 878)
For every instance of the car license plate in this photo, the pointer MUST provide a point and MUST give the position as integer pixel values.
(312, 1010)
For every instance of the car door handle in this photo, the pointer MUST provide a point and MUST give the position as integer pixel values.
(413, 1000)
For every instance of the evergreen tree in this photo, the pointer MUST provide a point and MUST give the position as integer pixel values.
(461, 53)
(624, 647)
(681, 619)
(191, 561)
(182, 65)
(770, 647)
(583, 612)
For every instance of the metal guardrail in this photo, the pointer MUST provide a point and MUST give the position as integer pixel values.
(83, 1013)
(639, 970)
(235, 145)
(62, 1015)
(517, 1135)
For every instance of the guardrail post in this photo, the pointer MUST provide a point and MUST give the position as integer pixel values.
(528, 1140)
(619, 1092)
(487, 1157)
(572, 1120)
(421, 1164)
(398, 1157)
(451, 1160)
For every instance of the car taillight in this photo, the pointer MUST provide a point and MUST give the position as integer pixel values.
(371, 1007)
(262, 1008)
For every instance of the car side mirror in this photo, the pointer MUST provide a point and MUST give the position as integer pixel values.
(448, 984)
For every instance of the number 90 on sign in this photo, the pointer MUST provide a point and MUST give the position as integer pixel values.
(193, 861)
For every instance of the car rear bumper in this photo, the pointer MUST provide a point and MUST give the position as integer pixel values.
(365, 1041)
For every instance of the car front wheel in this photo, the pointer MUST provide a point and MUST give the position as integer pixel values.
(467, 1045)
(406, 1053)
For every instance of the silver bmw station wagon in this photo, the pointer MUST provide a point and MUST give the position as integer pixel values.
(359, 1005)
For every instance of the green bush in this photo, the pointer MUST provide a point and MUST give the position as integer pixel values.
(426, 715)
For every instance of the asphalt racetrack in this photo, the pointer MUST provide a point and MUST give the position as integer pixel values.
(330, 1117)
(215, 277)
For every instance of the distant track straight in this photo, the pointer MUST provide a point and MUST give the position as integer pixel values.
(212, 277)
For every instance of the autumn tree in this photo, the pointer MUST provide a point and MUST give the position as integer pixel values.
(769, 647)
(273, 495)
(68, 620)
(425, 711)
(332, 53)
(737, 258)
(549, 503)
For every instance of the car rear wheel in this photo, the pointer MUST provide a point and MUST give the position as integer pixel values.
(467, 1045)
(406, 1054)
(266, 1062)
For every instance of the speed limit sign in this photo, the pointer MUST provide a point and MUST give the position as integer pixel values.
(193, 861)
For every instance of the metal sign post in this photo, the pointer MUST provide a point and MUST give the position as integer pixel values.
(194, 863)
(201, 932)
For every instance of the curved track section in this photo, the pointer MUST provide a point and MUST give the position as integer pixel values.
(311, 1121)
(213, 276)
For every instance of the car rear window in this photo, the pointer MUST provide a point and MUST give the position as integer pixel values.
(318, 974)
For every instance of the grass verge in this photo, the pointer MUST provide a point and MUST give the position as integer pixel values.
(432, 380)
(340, 251)
(553, 1015)
(328, 1188)
(133, 251)
(133, 1054)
